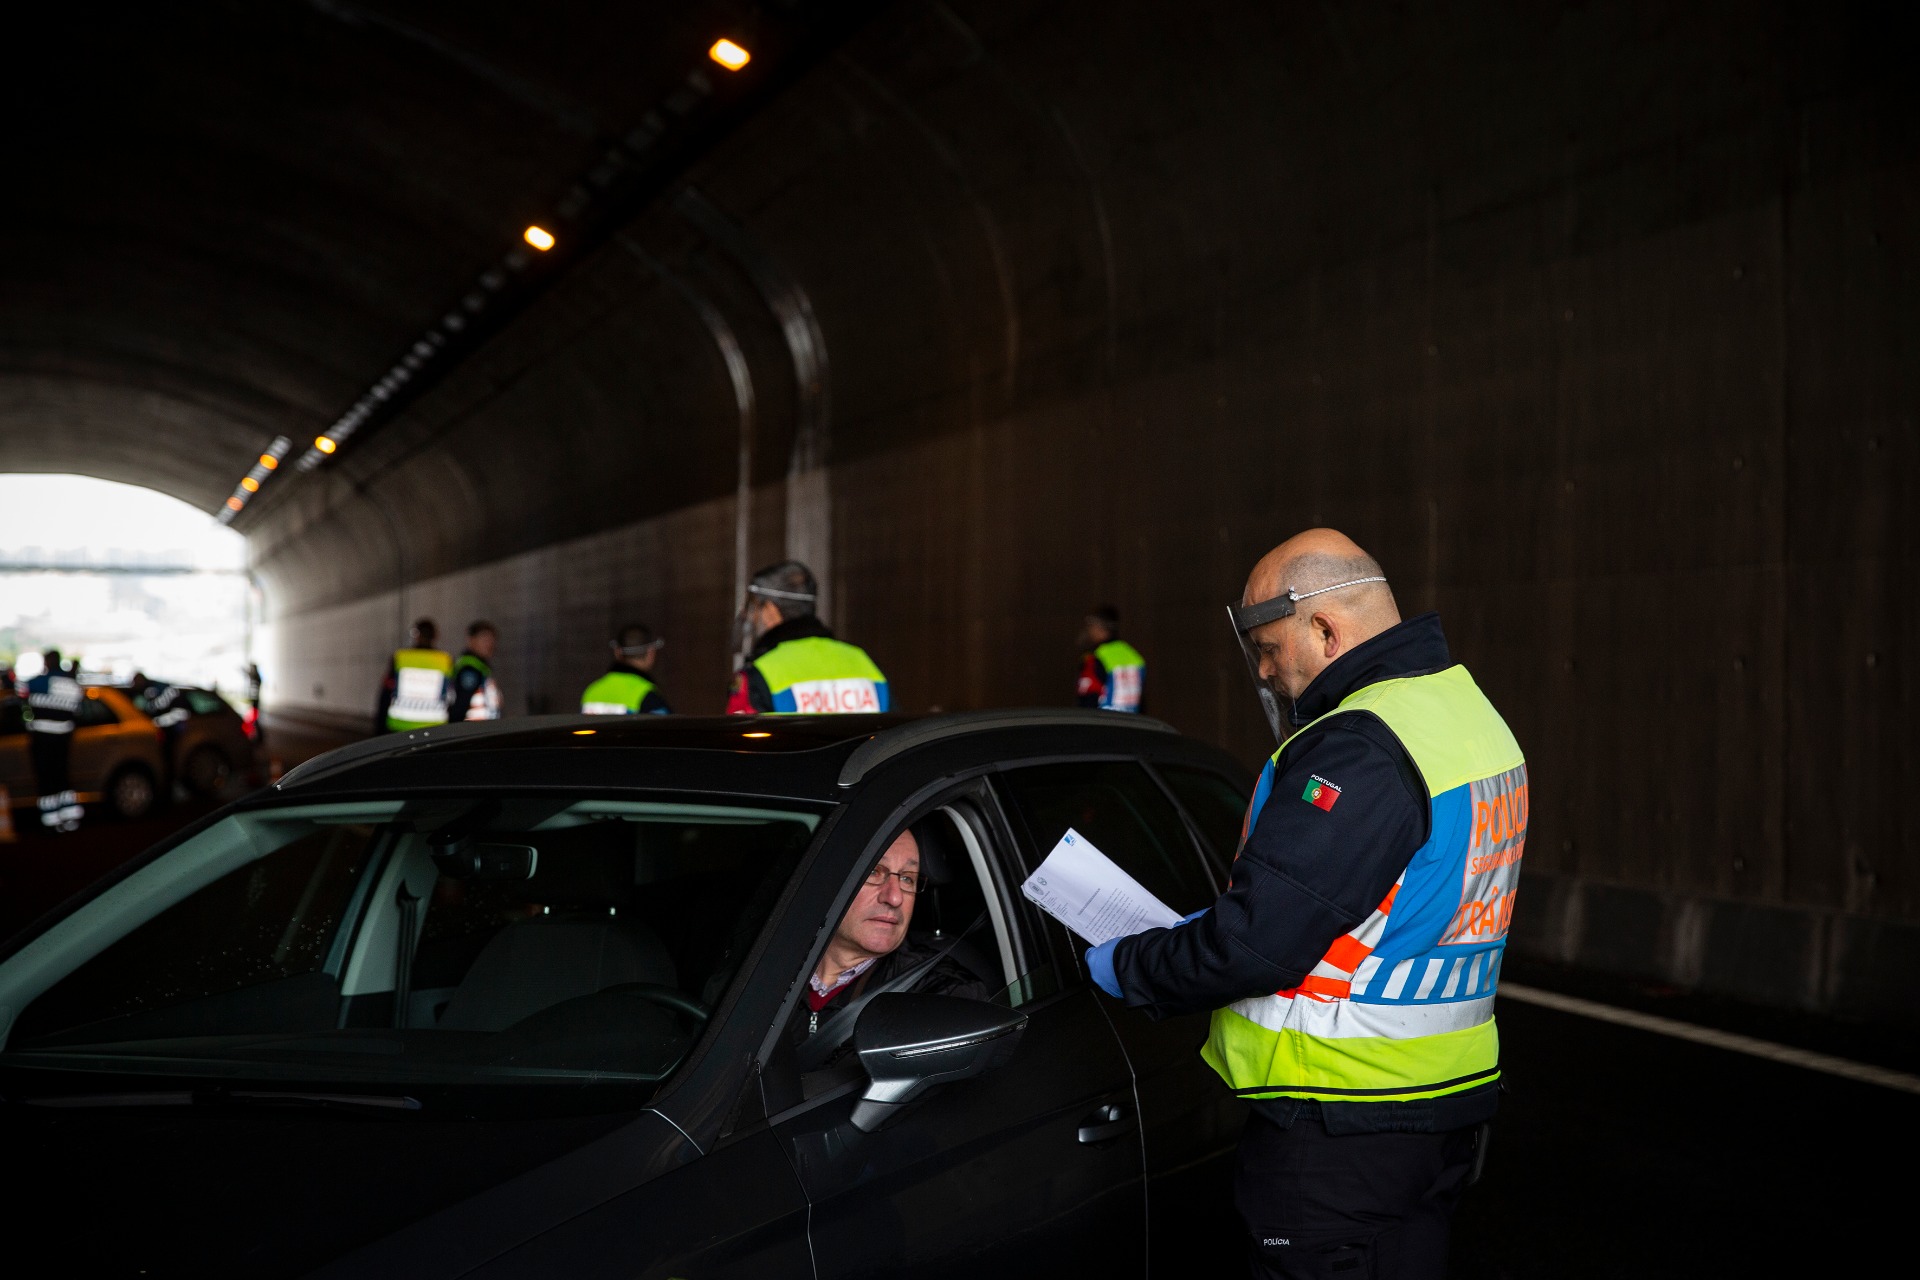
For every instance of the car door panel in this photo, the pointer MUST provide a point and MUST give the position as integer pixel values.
(1190, 1121)
(736, 1213)
(988, 1176)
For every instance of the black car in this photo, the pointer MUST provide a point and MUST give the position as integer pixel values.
(525, 999)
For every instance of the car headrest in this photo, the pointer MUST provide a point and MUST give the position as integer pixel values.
(941, 856)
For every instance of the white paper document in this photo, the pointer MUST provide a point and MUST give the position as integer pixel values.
(1081, 888)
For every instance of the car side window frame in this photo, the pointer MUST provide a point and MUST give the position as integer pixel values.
(1219, 866)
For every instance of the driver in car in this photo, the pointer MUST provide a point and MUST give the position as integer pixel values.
(870, 950)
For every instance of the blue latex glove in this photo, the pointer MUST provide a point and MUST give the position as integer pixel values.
(1100, 965)
(1100, 961)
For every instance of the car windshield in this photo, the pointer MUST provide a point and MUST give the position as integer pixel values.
(434, 941)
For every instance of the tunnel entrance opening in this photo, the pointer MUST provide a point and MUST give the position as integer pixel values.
(121, 579)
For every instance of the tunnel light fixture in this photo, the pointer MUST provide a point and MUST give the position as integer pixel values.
(584, 733)
(508, 281)
(756, 735)
(250, 483)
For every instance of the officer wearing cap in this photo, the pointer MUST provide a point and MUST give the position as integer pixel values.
(1351, 963)
(794, 663)
(627, 688)
(414, 694)
(1113, 675)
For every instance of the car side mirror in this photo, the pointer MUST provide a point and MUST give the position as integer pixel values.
(909, 1043)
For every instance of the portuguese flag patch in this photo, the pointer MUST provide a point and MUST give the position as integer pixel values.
(1320, 792)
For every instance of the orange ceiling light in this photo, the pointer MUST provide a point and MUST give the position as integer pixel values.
(729, 55)
(249, 484)
(325, 444)
(268, 461)
(539, 237)
(234, 503)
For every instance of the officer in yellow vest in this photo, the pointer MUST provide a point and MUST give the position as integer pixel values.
(1350, 965)
(1113, 675)
(627, 688)
(794, 664)
(414, 694)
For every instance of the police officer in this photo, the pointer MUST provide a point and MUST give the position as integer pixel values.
(1350, 965)
(1113, 675)
(794, 664)
(414, 694)
(627, 688)
(164, 706)
(475, 696)
(53, 708)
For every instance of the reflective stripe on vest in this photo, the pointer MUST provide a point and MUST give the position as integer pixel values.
(485, 702)
(1126, 676)
(617, 693)
(1401, 1006)
(817, 676)
(420, 689)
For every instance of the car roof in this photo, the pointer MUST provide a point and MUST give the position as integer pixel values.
(818, 757)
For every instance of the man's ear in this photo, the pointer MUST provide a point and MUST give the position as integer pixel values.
(1326, 632)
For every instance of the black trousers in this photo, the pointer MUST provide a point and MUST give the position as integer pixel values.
(50, 753)
(1353, 1206)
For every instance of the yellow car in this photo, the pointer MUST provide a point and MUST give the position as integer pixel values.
(117, 757)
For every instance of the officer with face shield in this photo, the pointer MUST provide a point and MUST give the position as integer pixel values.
(1350, 966)
(628, 688)
(793, 662)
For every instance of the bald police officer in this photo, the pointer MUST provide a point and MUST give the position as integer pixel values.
(1351, 964)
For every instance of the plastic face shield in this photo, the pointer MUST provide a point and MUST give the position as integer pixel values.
(1246, 617)
(743, 636)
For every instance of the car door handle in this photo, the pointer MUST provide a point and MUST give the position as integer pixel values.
(1109, 1121)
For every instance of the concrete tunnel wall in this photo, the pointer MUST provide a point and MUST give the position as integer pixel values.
(1596, 325)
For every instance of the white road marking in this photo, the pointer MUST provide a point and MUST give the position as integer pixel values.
(1843, 1067)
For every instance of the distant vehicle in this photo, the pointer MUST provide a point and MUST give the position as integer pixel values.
(212, 744)
(525, 998)
(117, 755)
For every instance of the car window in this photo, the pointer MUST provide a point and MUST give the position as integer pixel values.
(273, 918)
(533, 941)
(204, 703)
(1122, 810)
(1216, 804)
(95, 712)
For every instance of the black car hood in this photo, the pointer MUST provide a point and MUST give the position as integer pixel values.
(197, 1191)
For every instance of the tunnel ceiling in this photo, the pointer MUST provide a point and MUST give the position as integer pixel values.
(228, 219)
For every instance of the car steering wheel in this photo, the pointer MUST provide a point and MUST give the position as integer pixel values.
(671, 997)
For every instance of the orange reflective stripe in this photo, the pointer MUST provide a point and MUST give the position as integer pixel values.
(1327, 988)
(1347, 952)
